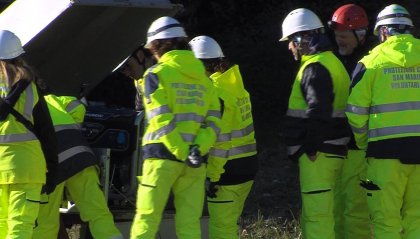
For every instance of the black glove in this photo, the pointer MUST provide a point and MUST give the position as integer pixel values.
(194, 159)
(211, 189)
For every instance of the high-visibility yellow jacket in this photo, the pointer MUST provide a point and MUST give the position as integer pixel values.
(21, 156)
(230, 160)
(181, 106)
(74, 153)
(315, 119)
(384, 101)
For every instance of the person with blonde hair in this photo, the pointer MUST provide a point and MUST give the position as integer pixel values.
(27, 142)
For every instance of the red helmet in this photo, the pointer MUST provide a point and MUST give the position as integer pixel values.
(349, 17)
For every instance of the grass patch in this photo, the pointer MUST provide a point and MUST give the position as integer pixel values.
(269, 228)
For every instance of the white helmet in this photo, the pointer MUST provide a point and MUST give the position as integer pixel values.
(299, 20)
(205, 47)
(164, 28)
(393, 15)
(10, 45)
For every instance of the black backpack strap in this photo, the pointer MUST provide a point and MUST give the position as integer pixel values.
(7, 108)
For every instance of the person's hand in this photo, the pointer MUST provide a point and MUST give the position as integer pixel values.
(194, 159)
(211, 189)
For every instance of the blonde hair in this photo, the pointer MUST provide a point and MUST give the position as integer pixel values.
(14, 70)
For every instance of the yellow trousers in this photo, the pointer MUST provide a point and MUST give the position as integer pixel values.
(354, 222)
(394, 198)
(159, 177)
(319, 183)
(19, 205)
(85, 191)
(226, 209)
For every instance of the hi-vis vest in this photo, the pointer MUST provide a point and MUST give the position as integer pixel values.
(237, 138)
(341, 82)
(21, 156)
(385, 103)
(181, 110)
(74, 153)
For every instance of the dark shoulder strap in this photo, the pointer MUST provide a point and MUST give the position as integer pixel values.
(5, 107)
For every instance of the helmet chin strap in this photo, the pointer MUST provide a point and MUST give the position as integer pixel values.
(359, 34)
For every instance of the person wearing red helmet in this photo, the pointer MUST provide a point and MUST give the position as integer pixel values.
(350, 25)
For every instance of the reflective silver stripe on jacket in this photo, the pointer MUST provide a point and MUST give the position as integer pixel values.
(223, 137)
(302, 113)
(212, 125)
(361, 130)
(188, 137)
(160, 132)
(404, 129)
(214, 113)
(29, 102)
(189, 117)
(293, 149)
(394, 107)
(164, 109)
(236, 134)
(357, 109)
(242, 149)
(243, 132)
(66, 154)
(233, 151)
(58, 128)
(220, 153)
(340, 141)
(12, 138)
(72, 105)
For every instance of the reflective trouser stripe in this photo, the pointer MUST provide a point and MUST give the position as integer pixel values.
(158, 179)
(13, 138)
(226, 208)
